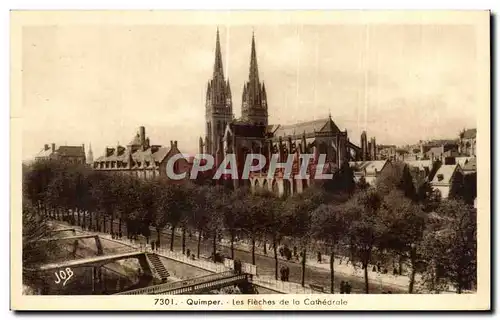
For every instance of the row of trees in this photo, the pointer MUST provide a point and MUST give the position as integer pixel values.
(435, 238)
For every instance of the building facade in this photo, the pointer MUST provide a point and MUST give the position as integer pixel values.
(252, 133)
(68, 154)
(140, 158)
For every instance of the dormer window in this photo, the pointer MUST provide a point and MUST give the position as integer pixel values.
(139, 164)
(147, 163)
(118, 164)
(440, 177)
(157, 163)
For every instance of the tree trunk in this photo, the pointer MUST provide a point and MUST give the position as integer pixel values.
(120, 225)
(365, 265)
(332, 273)
(253, 249)
(303, 282)
(183, 240)
(172, 237)
(232, 245)
(199, 244)
(265, 245)
(215, 245)
(104, 224)
(413, 271)
(400, 265)
(111, 224)
(275, 259)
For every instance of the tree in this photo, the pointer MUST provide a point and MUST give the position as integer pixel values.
(451, 247)
(175, 205)
(364, 227)
(35, 252)
(201, 215)
(405, 223)
(215, 224)
(299, 210)
(396, 176)
(329, 225)
(273, 221)
(233, 207)
(427, 197)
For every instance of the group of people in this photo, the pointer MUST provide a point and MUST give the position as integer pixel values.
(345, 287)
(117, 235)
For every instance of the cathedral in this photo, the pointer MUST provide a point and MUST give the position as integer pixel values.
(251, 133)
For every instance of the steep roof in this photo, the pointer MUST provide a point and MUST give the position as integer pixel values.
(71, 151)
(140, 155)
(324, 125)
(470, 165)
(470, 134)
(420, 164)
(44, 153)
(368, 166)
(445, 174)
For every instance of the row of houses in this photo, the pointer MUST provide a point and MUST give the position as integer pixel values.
(442, 175)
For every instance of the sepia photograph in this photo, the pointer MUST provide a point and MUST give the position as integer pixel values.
(250, 160)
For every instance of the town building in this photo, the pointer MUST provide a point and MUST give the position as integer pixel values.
(68, 154)
(251, 133)
(446, 176)
(140, 158)
(467, 142)
(369, 170)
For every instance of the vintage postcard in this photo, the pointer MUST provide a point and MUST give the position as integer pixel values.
(260, 160)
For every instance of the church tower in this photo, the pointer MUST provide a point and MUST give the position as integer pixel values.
(90, 156)
(254, 100)
(218, 104)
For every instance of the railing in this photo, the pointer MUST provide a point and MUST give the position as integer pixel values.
(211, 285)
(205, 282)
(282, 286)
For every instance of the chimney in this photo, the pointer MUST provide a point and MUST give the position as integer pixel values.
(171, 144)
(147, 143)
(53, 147)
(46, 147)
(175, 143)
(142, 135)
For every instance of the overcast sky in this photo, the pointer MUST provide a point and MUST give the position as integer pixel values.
(97, 84)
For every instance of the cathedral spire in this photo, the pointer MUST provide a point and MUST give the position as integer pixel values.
(218, 70)
(254, 70)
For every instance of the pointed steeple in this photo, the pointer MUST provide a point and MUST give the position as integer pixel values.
(254, 69)
(228, 89)
(218, 70)
(90, 155)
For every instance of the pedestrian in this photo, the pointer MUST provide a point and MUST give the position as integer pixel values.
(348, 287)
(120, 235)
(374, 269)
(342, 287)
(395, 272)
(287, 273)
(188, 252)
(282, 273)
(237, 266)
(379, 266)
(319, 257)
(152, 245)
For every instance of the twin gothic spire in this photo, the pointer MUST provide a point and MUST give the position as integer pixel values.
(219, 92)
